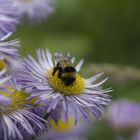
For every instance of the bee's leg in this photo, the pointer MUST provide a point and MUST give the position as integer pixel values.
(60, 73)
(54, 71)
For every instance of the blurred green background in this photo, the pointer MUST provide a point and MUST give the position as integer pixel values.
(106, 33)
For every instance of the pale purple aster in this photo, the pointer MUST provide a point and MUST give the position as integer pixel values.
(34, 10)
(34, 79)
(124, 116)
(9, 49)
(17, 121)
(8, 17)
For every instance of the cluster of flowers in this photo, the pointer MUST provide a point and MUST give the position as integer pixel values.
(32, 92)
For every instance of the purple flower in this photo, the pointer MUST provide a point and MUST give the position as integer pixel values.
(8, 17)
(124, 117)
(17, 120)
(57, 83)
(35, 10)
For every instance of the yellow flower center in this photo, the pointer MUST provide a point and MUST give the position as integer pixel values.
(62, 126)
(2, 64)
(74, 89)
(17, 98)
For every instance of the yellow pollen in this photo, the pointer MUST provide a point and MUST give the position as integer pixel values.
(62, 126)
(75, 88)
(2, 64)
(18, 98)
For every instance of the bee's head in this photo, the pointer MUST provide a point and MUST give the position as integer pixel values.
(66, 70)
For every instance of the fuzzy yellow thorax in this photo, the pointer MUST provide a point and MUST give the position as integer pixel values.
(75, 88)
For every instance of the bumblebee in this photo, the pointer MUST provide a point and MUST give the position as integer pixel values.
(65, 69)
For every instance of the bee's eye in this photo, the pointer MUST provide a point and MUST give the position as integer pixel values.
(69, 69)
